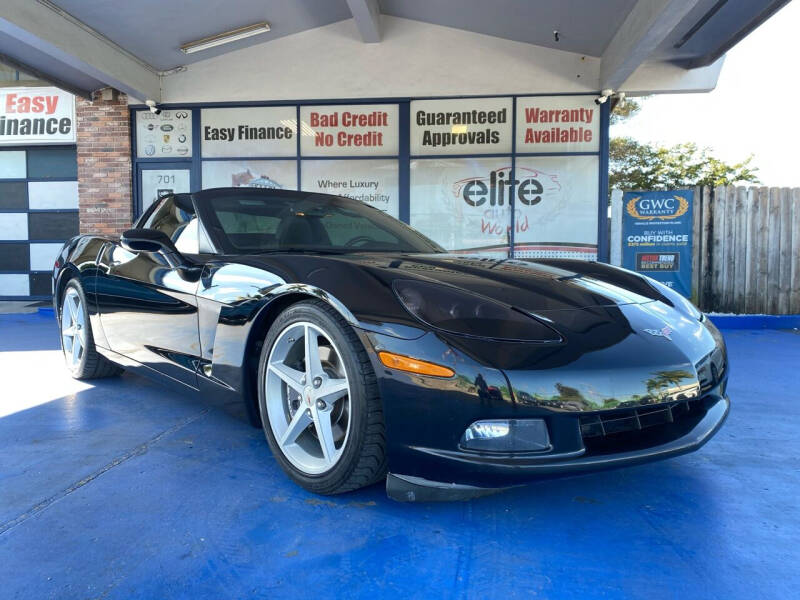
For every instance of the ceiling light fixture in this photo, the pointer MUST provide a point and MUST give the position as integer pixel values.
(233, 35)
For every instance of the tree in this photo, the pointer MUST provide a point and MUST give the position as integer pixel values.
(625, 109)
(637, 166)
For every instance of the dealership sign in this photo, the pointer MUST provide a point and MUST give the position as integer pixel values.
(164, 135)
(43, 115)
(557, 124)
(341, 130)
(252, 131)
(657, 236)
(463, 126)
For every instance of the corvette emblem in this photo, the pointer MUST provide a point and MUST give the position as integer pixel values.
(664, 332)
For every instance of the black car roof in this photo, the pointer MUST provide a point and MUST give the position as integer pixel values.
(208, 194)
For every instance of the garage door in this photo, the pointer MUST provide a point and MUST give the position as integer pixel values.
(38, 212)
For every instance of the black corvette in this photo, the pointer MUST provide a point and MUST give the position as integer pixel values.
(366, 351)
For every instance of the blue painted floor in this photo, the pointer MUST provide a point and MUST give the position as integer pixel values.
(121, 489)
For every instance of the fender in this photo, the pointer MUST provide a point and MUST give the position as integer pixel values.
(236, 306)
(231, 333)
(320, 294)
(80, 257)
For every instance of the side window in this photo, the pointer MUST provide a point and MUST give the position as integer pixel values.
(188, 238)
(169, 218)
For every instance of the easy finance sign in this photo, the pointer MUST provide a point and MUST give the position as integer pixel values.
(43, 115)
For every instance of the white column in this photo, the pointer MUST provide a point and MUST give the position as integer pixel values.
(616, 228)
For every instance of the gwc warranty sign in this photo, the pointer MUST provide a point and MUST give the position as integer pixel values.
(647, 208)
(37, 115)
(657, 236)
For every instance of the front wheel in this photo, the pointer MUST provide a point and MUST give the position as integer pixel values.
(319, 401)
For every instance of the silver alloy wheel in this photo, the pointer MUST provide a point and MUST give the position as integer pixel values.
(308, 398)
(73, 328)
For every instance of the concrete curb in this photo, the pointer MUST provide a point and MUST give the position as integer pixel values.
(756, 321)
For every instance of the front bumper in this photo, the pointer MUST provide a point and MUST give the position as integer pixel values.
(598, 398)
(509, 472)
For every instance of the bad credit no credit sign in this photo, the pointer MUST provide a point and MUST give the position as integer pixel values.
(340, 130)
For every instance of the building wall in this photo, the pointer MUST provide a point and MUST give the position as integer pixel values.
(104, 163)
(412, 59)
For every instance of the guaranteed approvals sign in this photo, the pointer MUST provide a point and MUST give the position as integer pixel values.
(657, 236)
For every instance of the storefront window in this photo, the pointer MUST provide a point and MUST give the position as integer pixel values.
(374, 182)
(156, 183)
(277, 174)
(556, 207)
(462, 203)
(497, 176)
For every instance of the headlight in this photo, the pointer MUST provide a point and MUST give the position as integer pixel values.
(454, 311)
(679, 302)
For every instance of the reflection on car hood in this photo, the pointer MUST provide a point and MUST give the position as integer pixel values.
(530, 286)
(362, 282)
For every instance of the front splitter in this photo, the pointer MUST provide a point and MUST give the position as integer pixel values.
(407, 488)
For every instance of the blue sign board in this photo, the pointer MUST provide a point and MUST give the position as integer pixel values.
(657, 236)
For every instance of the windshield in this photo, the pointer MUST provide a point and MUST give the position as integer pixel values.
(253, 221)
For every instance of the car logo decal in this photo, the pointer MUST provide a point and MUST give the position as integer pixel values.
(665, 332)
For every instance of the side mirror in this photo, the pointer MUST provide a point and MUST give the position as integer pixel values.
(147, 240)
(155, 242)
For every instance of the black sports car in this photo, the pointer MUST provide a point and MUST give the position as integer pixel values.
(366, 351)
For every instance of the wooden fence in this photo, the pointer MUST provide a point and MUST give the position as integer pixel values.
(746, 253)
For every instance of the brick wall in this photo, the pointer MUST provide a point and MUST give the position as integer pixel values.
(104, 163)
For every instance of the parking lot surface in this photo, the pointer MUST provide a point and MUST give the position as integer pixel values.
(122, 489)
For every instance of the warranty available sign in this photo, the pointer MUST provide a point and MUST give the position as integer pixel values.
(43, 115)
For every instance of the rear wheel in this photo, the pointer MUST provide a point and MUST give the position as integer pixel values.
(319, 401)
(77, 343)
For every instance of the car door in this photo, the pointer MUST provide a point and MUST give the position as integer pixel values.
(148, 309)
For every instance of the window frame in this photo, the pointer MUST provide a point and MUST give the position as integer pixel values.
(404, 157)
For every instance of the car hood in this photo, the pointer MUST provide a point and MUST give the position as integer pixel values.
(611, 314)
(363, 282)
(532, 286)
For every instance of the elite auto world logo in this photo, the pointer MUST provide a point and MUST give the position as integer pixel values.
(648, 209)
(497, 192)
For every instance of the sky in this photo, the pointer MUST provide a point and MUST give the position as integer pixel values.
(755, 108)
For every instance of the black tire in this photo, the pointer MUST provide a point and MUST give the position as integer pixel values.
(91, 365)
(363, 461)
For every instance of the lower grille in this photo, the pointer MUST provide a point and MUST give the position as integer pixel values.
(635, 419)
